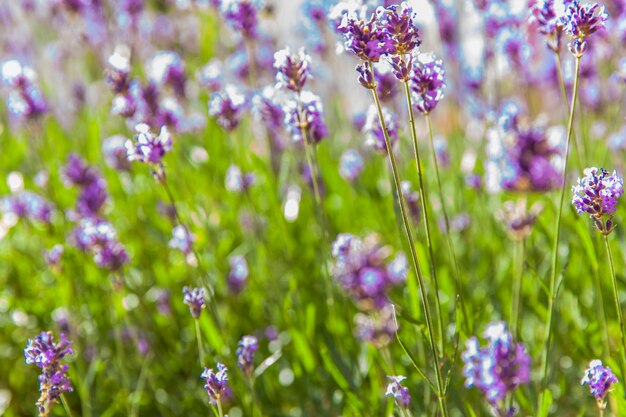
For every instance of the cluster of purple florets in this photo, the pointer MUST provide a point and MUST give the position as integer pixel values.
(23, 96)
(498, 368)
(245, 353)
(195, 299)
(93, 194)
(26, 204)
(364, 271)
(600, 379)
(596, 194)
(238, 275)
(46, 354)
(216, 382)
(398, 392)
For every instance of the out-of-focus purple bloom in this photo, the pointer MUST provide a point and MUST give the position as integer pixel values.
(238, 182)
(114, 152)
(227, 107)
(167, 68)
(211, 76)
(351, 164)
(397, 21)
(245, 353)
(148, 147)
(195, 299)
(216, 382)
(292, 70)
(27, 205)
(398, 392)
(129, 12)
(265, 107)
(597, 193)
(386, 82)
(24, 99)
(53, 255)
(181, 239)
(238, 274)
(412, 198)
(368, 40)
(543, 13)
(241, 15)
(117, 73)
(44, 353)
(98, 237)
(374, 135)
(376, 327)
(93, 193)
(427, 82)
(498, 368)
(309, 116)
(517, 219)
(599, 378)
(362, 269)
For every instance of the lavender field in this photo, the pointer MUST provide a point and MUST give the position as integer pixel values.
(312, 208)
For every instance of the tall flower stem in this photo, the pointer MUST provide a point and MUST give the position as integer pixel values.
(220, 412)
(200, 344)
(418, 272)
(66, 406)
(618, 306)
(424, 202)
(557, 235)
(516, 303)
(457, 279)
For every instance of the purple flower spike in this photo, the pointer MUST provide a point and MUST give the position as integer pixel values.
(310, 118)
(148, 147)
(350, 165)
(292, 70)
(239, 272)
(216, 382)
(245, 353)
(498, 368)
(117, 73)
(194, 298)
(227, 107)
(24, 99)
(27, 205)
(427, 82)
(99, 238)
(374, 136)
(597, 194)
(181, 239)
(44, 353)
(397, 21)
(241, 15)
(600, 378)
(166, 67)
(398, 392)
(368, 40)
(581, 21)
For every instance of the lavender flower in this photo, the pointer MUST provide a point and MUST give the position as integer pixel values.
(24, 99)
(350, 165)
(194, 298)
(309, 118)
(412, 199)
(227, 107)
(368, 40)
(376, 327)
(292, 70)
(53, 255)
(398, 392)
(498, 368)
(517, 219)
(238, 182)
(238, 275)
(117, 73)
(181, 239)
(166, 67)
(148, 147)
(548, 22)
(397, 21)
(267, 108)
(374, 135)
(581, 21)
(216, 382)
(114, 152)
(99, 238)
(241, 15)
(600, 378)
(427, 82)
(597, 194)
(245, 353)
(93, 193)
(44, 353)
(211, 76)
(27, 205)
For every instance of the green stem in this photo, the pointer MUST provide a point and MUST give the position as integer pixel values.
(517, 287)
(200, 344)
(424, 201)
(452, 253)
(618, 306)
(219, 408)
(66, 406)
(557, 234)
(415, 262)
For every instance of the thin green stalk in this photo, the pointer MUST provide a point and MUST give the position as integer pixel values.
(219, 408)
(200, 344)
(618, 306)
(424, 201)
(602, 313)
(557, 234)
(517, 286)
(457, 279)
(418, 272)
(66, 406)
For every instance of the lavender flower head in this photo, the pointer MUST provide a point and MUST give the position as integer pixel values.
(548, 22)
(148, 147)
(368, 40)
(307, 120)
(245, 353)
(44, 353)
(216, 382)
(194, 298)
(181, 240)
(581, 21)
(374, 135)
(117, 73)
(292, 70)
(427, 82)
(599, 378)
(398, 22)
(27, 205)
(167, 68)
(99, 238)
(24, 98)
(398, 392)
(241, 15)
(376, 327)
(238, 274)
(227, 107)
(596, 194)
(498, 368)
(350, 165)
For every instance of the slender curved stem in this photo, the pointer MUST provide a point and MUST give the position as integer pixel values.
(200, 344)
(424, 201)
(618, 306)
(66, 406)
(557, 235)
(418, 272)
(517, 287)
(219, 408)
(457, 279)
